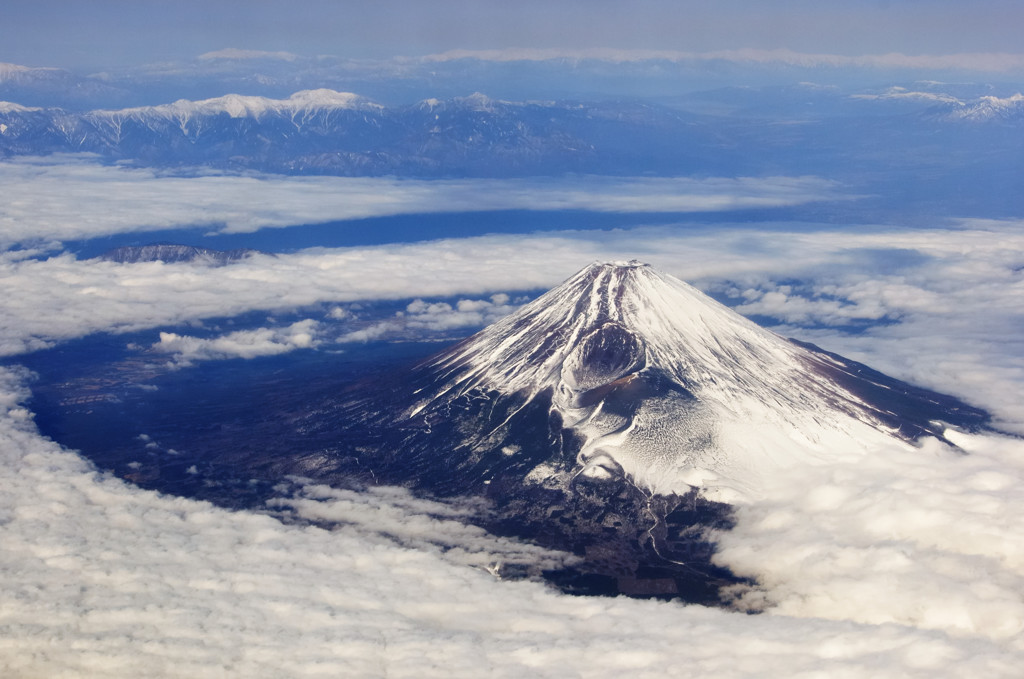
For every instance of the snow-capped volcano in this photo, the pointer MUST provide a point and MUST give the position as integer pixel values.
(672, 390)
(616, 417)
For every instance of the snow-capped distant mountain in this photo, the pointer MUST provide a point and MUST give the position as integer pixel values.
(897, 93)
(17, 74)
(990, 109)
(169, 252)
(43, 86)
(8, 108)
(908, 151)
(477, 102)
(323, 131)
(297, 107)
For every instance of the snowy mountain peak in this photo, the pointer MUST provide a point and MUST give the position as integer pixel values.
(672, 390)
(171, 252)
(11, 107)
(674, 321)
(17, 72)
(242, 106)
(477, 102)
(990, 108)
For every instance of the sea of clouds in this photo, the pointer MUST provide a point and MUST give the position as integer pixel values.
(79, 198)
(904, 565)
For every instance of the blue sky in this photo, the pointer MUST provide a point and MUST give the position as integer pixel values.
(109, 34)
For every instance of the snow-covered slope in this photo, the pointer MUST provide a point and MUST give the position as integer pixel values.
(194, 118)
(672, 390)
(989, 109)
(322, 131)
(16, 73)
(11, 107)
(240, 106)
(170, 252)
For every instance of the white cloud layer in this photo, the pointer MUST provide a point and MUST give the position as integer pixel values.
(444, 529)
(186, 349)
(915, 538)
(235, 53)
(62, 198)
(911, 565)
(436, 317)
(969, 61)
(105, 580)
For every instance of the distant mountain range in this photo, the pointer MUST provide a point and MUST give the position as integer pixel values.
(988, 109)
(53, 87)
(327, 132)
(514, 74)
(170, 252)
(323, 131)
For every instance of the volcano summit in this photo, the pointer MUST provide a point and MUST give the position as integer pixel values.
(624, 372)
(624, 408)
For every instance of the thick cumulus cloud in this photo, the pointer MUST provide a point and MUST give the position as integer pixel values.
(64, 198)
(185, 349)
(435, 317)
(920, 538)
(442, 528)
(105, 580)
